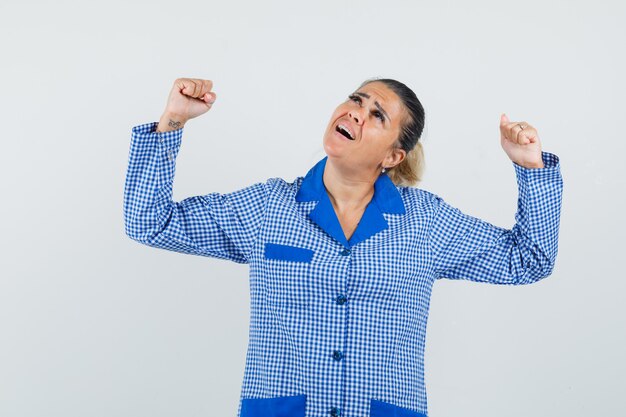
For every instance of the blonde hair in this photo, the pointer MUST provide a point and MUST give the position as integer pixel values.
(409, 172)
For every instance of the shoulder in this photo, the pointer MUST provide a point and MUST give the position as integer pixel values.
(269, 186)
(278, 185)
(418, 199)
(280, 189)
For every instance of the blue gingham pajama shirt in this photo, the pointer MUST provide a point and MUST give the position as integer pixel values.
(338, 326)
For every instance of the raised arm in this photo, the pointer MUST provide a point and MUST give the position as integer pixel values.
(466, 247)
(217, 225)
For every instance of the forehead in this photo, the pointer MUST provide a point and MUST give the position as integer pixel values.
(387, 98)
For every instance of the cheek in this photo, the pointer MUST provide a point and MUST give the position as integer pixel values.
(391, 137)
(378, 142)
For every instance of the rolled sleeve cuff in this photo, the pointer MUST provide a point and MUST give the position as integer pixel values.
(551, 169)
(170, 139)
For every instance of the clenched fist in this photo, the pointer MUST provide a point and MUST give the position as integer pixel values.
(521, 143)
(189, 98)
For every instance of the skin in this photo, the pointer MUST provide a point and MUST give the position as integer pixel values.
(353, 166)
(522, 146)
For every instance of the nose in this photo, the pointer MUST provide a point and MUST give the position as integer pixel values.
(354, 114)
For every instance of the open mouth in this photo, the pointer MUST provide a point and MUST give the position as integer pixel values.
(344, 131)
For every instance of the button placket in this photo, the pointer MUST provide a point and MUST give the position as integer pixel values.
(338, 355)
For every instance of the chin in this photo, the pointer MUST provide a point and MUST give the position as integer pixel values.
(333, 149)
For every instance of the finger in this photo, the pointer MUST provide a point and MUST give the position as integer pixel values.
(518, 132)
(515, 134)
(207, 85)
(203, 88)
(520, 135)
(210, 97)
(189, 87)
(511, 131)
(504, 126)
(195, 89)
(529, 135)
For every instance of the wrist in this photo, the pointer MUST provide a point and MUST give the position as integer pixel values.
(170, 121)
(532, 165)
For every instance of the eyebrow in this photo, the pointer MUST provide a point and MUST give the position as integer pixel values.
(377, 104)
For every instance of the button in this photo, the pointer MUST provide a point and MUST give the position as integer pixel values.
(334, 411)
(161, 139)
(170, 155)
(345, 252)
(337, 355)
(341, 299)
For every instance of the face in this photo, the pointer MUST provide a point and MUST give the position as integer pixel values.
(374, 116)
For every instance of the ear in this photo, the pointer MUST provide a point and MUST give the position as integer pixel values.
(396, 155)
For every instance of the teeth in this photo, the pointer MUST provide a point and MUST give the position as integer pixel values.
(344, 128)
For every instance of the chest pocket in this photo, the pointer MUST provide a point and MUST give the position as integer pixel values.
(289, 274)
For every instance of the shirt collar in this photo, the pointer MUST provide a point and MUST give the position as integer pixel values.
(386, 199)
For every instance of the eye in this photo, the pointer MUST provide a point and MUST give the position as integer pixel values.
(376, 113)
(355, 98)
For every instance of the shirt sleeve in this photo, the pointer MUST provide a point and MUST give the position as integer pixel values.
(466, 247)
(216, 225)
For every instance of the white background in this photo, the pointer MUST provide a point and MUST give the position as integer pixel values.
(95, 324)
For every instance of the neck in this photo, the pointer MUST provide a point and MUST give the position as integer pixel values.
(348, 190)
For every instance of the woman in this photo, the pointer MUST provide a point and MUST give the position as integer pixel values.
(342, 261)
